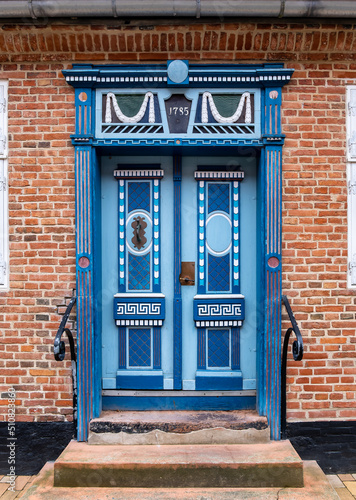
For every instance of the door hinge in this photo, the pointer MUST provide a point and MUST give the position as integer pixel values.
(3, 105)
(2, 270)
(2, 143)
(3, 184)
(352, 187)
(352, 270)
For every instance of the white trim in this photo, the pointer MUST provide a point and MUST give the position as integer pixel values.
(4, 201)
(147, 295)
(351, 183)
(351, 222)
(220, 296)
(176, 394)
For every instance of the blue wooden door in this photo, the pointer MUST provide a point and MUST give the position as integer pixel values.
(164, 329)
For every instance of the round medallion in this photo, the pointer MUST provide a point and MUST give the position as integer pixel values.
(83, 97)
(83, 262)
(273, 262)
(218, 233)
(177, 71)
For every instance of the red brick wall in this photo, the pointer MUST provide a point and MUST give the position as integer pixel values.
(41, 178)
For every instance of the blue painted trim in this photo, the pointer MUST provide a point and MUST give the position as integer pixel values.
(122, 347)
(157, 354)
(122, 235)
(201, 235)
(154, 382)
(211, 383)
(177, 301)
(156, 231)
(211, 403)
(201, 362)
(261, 290)
(97, 281)
(87, 187)
(235, 348)
(200, 75)
(235, 187)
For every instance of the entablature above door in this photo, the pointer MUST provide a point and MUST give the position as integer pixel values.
(178, 104)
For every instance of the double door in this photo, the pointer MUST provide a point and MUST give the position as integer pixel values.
(179, 273)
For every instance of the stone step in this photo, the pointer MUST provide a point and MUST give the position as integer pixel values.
(274, 464)
(178, 427)
(316, 487)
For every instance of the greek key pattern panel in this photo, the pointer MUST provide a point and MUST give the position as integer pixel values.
(219, 312)
(146, 312)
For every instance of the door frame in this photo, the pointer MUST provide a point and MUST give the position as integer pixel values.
(269, 78)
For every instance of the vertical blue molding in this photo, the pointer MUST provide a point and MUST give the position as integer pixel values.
(261, 290)
(177, 303)
(272, 170)
(88, 247)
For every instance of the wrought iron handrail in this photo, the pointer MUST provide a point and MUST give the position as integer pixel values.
(59, 351)
(297, 350)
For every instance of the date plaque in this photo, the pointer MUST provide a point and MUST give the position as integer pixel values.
(178, 113)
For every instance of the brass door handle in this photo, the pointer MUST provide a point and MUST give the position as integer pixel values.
(186, 281)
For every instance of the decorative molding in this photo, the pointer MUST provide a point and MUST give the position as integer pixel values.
(111, 98)
(139, 174)
(207, 96)
(218, 175)
(139, 322)
(219, 312)
(134, 309)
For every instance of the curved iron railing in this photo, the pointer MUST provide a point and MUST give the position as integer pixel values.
(298, 350)
(59, 351)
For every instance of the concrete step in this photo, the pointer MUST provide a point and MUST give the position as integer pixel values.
(274, 464)
(316, 487)
(178, 427)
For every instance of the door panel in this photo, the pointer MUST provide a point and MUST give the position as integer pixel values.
(217, 235)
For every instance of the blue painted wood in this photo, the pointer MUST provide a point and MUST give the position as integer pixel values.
(88, 284)
(153, 382)
(157, 352)
(177, 303)
(235, 348)
(213, 383)
(97, 278)
(201, 364)
(273, 284)
(208, 403)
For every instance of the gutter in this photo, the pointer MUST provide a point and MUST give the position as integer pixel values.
(39, 9)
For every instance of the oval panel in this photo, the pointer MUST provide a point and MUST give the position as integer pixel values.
(218, 233)
(139, 232)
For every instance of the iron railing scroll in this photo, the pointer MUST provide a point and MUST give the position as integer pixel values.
(59, 351)
(297, 350)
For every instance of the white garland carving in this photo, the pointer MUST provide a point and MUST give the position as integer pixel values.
(225, 119)
(130, 119)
